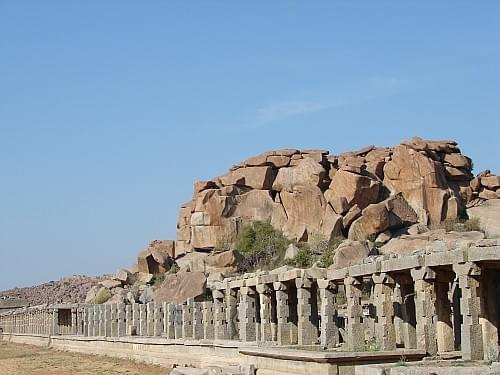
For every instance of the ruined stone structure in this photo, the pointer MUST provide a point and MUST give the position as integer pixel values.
(436, 302)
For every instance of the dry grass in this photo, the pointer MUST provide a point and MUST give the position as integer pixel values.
(17, 359)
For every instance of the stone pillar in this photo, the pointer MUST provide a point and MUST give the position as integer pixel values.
(74, 322)
(107, 320)
(444, 326)
(307, 331)
(354, 330)
(220, 332)
(128, 320)
(158, 319)
(231, 313)
(408, 333)
(385, 332)
(55, 322)
(143, 321)
(425, 309)
(121, 317)
(178, 321)
(470, 305)
(90, 321)
(198, 331)
(134, 327)
(150, 309)
(113, 331)
(329, 337)
(247, 314)
(489, 313)
(283, 312)
(187, 319)
(208, 319)
(169, 320)
(265, 294)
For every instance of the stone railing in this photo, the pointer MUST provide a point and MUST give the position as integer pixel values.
(439, 301)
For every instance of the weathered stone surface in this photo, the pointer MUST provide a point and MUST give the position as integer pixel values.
(225, 262)
(491, 182)
(420, 179)
(254, 177)
(488, 214)
(122, 275)
(356, 189)
(192, 262)
(143, 277)
(348, 253)
(177, 288)
(110, 284)
(353, 213)
(458, 161)
(306, 173)
(158, 257)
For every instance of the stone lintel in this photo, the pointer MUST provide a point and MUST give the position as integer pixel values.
(237, 284)
(467, 269)
(364, 269)
(218, 285)
(477, 254)
(402, 263)
(339, 274)
(423, 273)
(290, 275)
(267, 279)
(383, 278)
(301, 282)
(253, 281)
(445, 257)
(314, 273)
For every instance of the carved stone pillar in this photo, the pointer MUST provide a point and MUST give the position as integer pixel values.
(385, 332)
(208, 319)
(283, 313)
(264, 292)
(354, 330)
(231, 313)
(307, 331)
(220, 327)
(329, 337)
(247, 314)
(425, 309)
(470, 305)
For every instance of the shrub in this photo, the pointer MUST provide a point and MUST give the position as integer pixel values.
(102, 295)
(303, 259)
(327, 256)
(262, 245)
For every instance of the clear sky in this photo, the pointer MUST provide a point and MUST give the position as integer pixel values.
(109, 110)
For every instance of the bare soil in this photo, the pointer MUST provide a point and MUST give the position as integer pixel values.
(17, 359)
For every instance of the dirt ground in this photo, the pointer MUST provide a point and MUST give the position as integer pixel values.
(16, 359)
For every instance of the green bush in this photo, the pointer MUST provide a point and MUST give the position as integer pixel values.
(303, 259)
(327, 256)
(263, 246)
(102, 295)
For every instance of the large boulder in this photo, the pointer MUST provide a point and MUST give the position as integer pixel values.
(157, 258)
(349, 253)
(392, 213)
(178, 288)
(488, 214)
(224, 262)
(307, 172)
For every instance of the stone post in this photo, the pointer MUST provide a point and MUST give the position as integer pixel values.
(385, 332)
(169, 320)
(150, 317)
(128, 320)
(134, 327)
(208, 320)
(102, 320)
(121, 317)
(444, 326)
(178, 321)
(90, 321)
(113, 331)
(55, 322)
(158, 319)
(143, 322)
(329, 337)
(231, 312)
(187, 319)
(425, 309)
(198, 331)
(307, 331)
(265, 293)
(470, 305)
(354, 330)
(74, 322)
(283, 314)
(220, 332)
(489, 318)
(247, 314)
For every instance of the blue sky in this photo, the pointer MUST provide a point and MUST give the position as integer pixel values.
(110, 110)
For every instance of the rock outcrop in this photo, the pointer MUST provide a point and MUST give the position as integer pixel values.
(355, 194)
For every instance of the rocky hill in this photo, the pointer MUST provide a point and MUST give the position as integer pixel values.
(356, 195)
(69, 289)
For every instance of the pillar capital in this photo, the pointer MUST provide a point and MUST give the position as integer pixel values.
(326, 284)
(349, 280)
(263, 288)
(383, 278)
(278, 285)
(423, 273)
(301, 282)
(467, 269)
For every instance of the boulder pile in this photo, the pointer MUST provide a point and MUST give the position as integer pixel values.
(357, 195)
